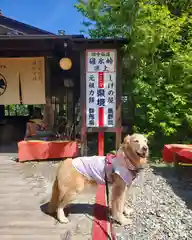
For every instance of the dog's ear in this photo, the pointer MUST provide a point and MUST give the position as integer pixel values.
(126, 139)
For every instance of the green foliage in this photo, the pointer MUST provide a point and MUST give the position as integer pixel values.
(16, 110)
(157, 66)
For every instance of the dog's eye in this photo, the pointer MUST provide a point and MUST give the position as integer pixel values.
(136, 141)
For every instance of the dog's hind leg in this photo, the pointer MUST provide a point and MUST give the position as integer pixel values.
(67, 195)
(52, 206)
(63, 202)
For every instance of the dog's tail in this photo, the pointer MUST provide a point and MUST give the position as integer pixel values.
(54, 198)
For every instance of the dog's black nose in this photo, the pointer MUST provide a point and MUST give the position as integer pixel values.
(145, 148)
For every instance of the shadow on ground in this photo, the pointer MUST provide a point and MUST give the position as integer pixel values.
(180, 181)
(81, 208)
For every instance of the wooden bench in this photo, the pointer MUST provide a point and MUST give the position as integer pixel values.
(181, 156)
(44, 150)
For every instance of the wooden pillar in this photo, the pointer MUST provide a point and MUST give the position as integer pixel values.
(83, 103)
(47, 110)
(118, 99)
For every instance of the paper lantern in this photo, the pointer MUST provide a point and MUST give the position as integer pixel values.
(65, 63)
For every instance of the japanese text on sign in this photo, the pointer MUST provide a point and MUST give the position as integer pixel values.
(101, 61)
(110, 82)
(91, 99)
(101, 87)
(37, 70)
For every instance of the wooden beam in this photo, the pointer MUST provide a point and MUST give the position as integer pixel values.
(26, 53)
(77, 45)
(104, 129)
(40, 45)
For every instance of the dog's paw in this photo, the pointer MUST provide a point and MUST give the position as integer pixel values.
(122, 220)
(63, 220)
(128, 211)
(61, 216)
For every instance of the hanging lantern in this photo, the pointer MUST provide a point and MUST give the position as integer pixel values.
(65, 63)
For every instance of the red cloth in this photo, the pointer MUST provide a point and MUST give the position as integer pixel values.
(184, 152)
(42, 150)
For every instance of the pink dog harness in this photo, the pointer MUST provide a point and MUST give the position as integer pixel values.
(93, 168)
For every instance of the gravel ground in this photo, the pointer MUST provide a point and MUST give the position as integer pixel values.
(162, 204)
(162, 207)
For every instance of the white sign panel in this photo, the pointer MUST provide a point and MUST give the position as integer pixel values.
(101, 88)
(101, 60)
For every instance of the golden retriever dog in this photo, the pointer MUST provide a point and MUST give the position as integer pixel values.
(74, 174)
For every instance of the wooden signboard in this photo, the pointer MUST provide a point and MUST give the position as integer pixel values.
(101, 100)
(100, 88)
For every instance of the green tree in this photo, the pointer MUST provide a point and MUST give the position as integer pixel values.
(157, 66)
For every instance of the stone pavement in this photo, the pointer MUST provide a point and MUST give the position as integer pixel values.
(24, 189)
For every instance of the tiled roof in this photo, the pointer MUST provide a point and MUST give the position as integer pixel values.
(21, 27)
(68, 38)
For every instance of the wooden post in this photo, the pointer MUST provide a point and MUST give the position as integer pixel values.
(48, 96)
(101, 143)
(118, 99)
(83, 103)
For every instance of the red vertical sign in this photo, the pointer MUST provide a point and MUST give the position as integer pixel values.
(101, 117)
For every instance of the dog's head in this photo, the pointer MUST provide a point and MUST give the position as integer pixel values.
(136, 148)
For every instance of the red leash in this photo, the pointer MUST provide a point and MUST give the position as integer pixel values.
(108, 161)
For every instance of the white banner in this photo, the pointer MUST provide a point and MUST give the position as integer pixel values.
(33, 80)
(9, 82)
(31, 75)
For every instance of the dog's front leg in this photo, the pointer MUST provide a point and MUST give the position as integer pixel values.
(126, 210)
(118, 200)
